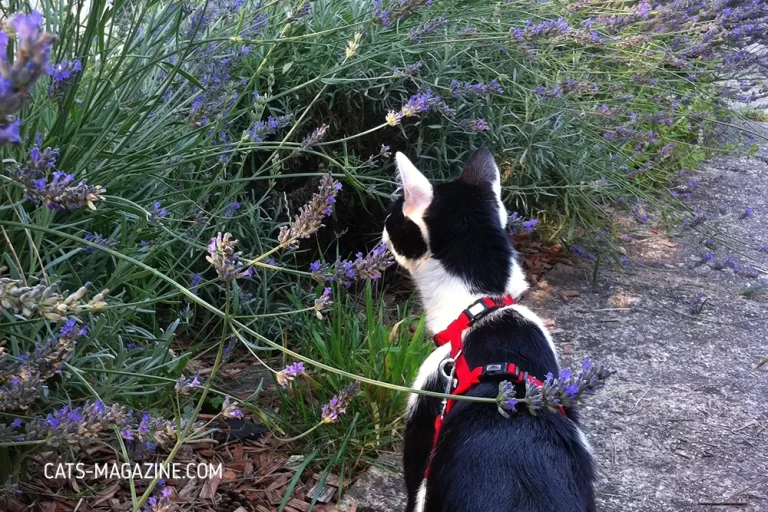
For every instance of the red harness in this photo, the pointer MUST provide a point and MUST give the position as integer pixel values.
(464, 377)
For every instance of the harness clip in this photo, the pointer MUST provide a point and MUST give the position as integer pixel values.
(478, 310)
(492, 370)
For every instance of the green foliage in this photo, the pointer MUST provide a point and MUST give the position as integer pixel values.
(196, 119)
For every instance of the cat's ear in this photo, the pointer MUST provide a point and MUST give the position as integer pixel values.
(417, 190)
(481, 169)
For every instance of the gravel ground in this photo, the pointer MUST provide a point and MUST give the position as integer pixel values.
(683, 424)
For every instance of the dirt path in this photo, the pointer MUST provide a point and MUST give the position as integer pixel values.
(683, 425)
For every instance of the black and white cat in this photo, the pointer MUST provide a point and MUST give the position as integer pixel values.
(451, 238)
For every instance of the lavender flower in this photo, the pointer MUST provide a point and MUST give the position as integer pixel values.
(45, 301)
(63, 75)
(230, 410)
(64, 70)
(530, 225)
(184, 386)
(566, 390)
(323, 302)
(33, 47)
(195, 282)
(338, 404)
(746, 213)
(262, 129)
(42, 160)
(475, 90)
(200, 219)
(475, 125)
(59, 193)
(318, 135)
(310, 217)
(398, 10)
(27, 376)
(289, 373)
(75, 427)
(319, 270)
(541, 30)
(157, 213)
(409, 70)
(231, 208)
(393, 118)
(549, 93)
(419, 102)
(186, 314)
(373, 161)
(223, 257)
(97, 239)
(416, 33)
(367, 267)
(467, 31)
(82, 426)
(517, 224)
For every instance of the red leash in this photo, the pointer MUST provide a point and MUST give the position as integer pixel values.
(464, 377)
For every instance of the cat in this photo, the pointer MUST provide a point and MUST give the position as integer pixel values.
(451, 238)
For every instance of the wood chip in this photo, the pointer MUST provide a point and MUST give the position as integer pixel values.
(571, 293)
(48, 506)
(281, 480)
(105, 495)
(237, 452)
(190, 490)
(293, 462)
(303, 506)
(210, 486)
(274, 497)
(324, 495)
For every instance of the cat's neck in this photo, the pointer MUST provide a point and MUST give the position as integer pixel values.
(445, 296)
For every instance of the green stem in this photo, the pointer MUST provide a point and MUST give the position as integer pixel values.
(192, 420)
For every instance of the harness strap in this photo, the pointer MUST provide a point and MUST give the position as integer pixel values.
(464, 376)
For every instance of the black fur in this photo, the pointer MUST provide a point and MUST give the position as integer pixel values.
(404, 234)
(480, 168)
(484, 462)
(469, 213)
(459, 211)
(418, 439)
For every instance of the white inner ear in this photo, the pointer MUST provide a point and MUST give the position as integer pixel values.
(417, 190)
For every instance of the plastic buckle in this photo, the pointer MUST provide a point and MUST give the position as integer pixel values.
(494, 370)
(478, 310)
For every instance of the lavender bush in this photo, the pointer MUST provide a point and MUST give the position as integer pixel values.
(222, 169)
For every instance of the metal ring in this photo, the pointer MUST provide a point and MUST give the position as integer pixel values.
(442, 366)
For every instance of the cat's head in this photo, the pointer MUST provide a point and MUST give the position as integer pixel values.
(454, 231)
